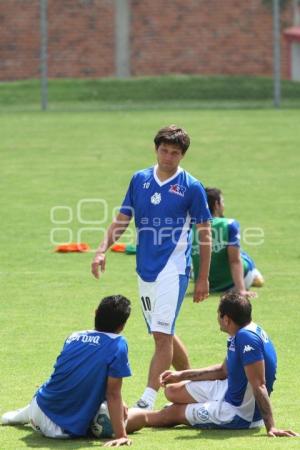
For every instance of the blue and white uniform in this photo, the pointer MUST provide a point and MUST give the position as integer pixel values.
(230, 403)
(164, 212)
(65, 405)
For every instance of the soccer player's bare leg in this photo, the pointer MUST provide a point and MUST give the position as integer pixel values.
(180, 356)
(167, 417)
(161, 361)
(168, 350)
(162, 358)
(177, 393)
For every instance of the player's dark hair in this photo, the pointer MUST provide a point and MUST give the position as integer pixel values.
(237, 307)
(173, 135)
(213, 196)
(112, 313)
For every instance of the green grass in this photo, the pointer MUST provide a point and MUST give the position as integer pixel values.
(167, 92)
(57, 159)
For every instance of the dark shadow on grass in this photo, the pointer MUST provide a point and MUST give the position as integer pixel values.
(220, 435)
(212, 434)
(35, 440)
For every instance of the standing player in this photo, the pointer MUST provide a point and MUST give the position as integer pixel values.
(88, 370)
(232, 395)
(165, 200)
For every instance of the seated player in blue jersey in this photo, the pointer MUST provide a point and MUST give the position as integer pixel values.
(232, 395)
(165, 201)
(88, 371)
(230, 266)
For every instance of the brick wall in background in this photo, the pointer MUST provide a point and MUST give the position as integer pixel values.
(167, 36)
(80, 38)
(19, 39)
(204, 36)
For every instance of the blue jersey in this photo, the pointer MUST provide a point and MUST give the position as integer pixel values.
(250, 344)
(77, 387)
(164, 213)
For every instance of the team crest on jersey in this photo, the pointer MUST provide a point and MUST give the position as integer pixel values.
(177, 189)
(156, 198)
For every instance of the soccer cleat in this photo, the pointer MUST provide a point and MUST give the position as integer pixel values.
(20, 416)
(142, 404)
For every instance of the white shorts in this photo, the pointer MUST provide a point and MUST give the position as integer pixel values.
(42, 424)
(161, 300)
(211, 410)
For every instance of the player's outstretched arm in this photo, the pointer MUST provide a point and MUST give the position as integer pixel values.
(116, 412)
(237, 271)
(215, 372)
(201, 291)
(256, 376)
(114, 231)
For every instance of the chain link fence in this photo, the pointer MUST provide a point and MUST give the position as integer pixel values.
(124, 53)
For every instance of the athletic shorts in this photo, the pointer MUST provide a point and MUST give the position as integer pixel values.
(42, 424)
(211, 410)
(161, 300)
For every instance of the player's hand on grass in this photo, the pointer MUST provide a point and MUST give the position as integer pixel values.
(98, 262)
(118, 442)
(201, 291)
(170, 376)
(274, 432)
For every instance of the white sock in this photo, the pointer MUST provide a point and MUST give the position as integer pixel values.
(149, 396)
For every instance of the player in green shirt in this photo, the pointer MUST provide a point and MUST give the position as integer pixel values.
(230, 266)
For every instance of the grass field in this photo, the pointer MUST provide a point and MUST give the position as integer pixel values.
(58, 159)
